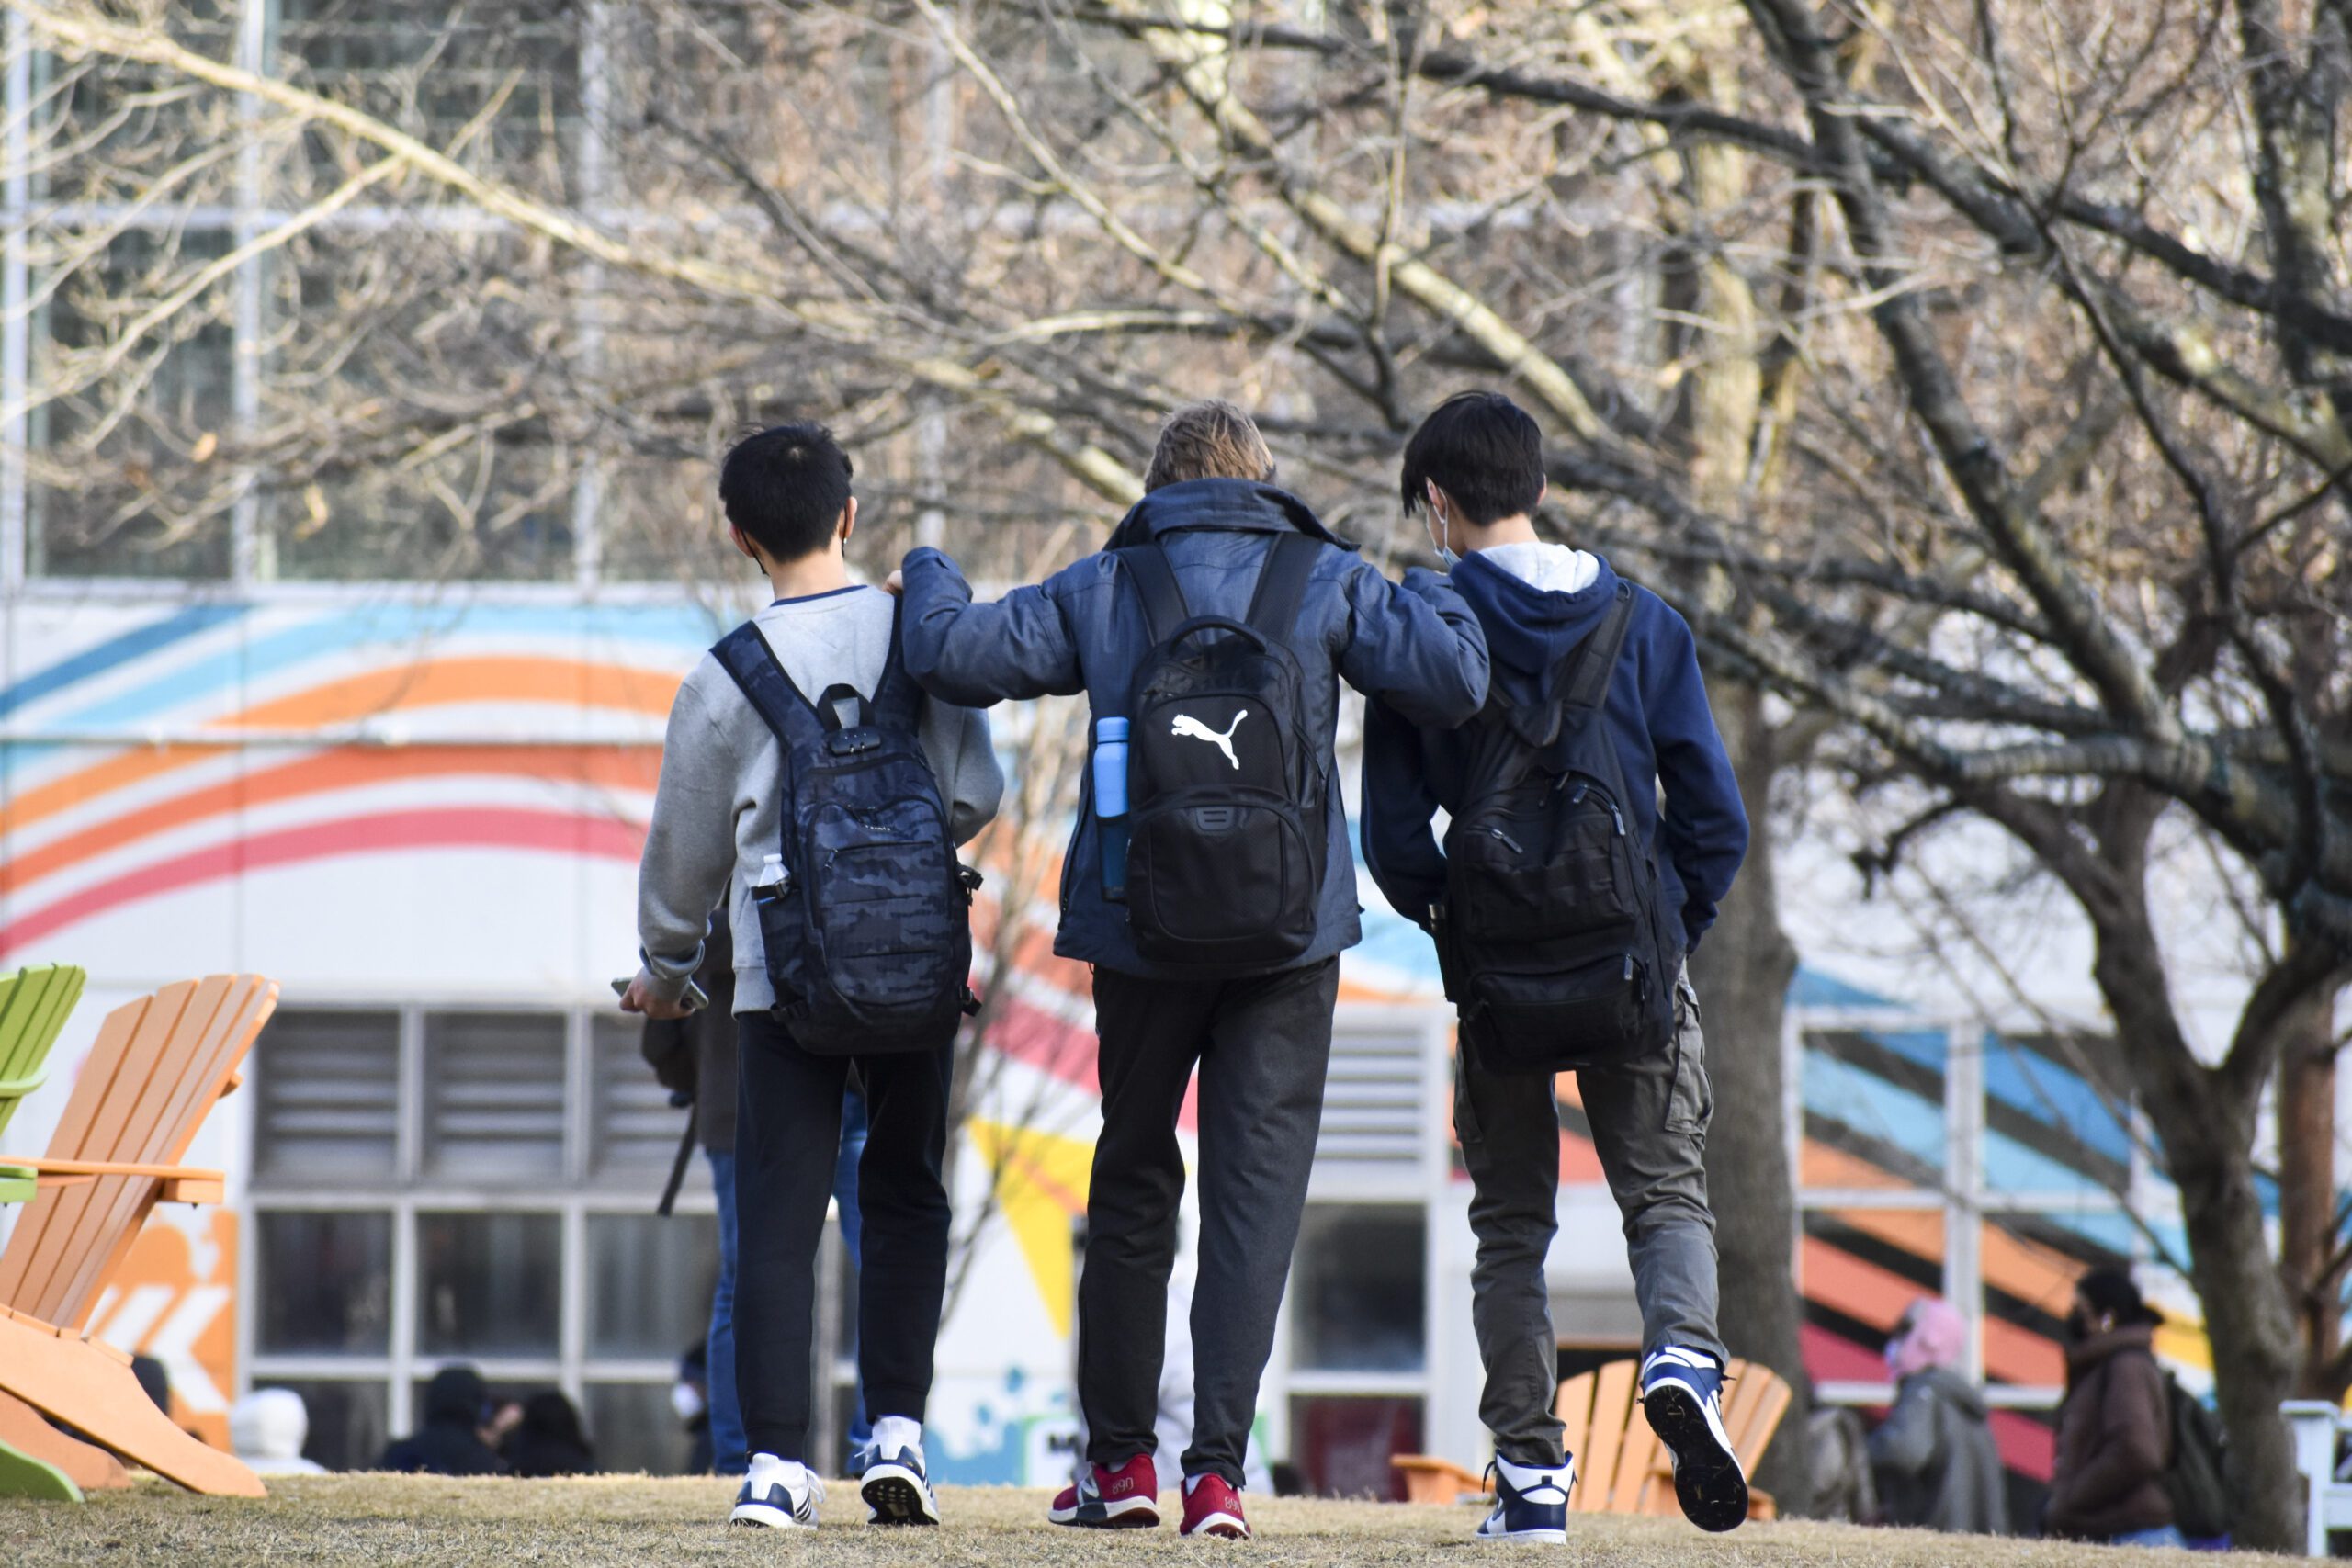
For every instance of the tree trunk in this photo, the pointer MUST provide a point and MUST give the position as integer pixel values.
(2306, 1110)
(2208, 1134)
(1741, 972)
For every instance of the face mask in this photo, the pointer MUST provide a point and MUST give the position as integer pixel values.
(2079, 1325)
(1445, 556)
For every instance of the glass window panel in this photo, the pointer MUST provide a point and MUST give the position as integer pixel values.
(347, 1419)
(488, 1284)
(1342, 1444)
(636, 1128)
(632, 1427)
(494, 1092)
(649, 1281)
(325, 1281)
(329, 1097)
(1358, 1285)
(118, 478)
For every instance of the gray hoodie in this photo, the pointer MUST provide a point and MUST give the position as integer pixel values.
(718, 810)
(1937, 1464)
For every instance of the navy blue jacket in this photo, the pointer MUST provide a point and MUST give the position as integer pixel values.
(1415, 647)
(1657, 708)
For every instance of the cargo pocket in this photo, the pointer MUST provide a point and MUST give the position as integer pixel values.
(1691, 1098)
(1466, 1129)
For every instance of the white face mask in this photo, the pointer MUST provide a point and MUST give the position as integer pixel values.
(1444, 536)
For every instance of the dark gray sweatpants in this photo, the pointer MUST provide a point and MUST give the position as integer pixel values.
(1649, 1126)
(1262, 1043)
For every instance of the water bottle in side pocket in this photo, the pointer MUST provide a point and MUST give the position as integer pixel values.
(1111, 804)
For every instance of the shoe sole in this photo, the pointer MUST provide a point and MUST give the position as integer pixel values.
(1126, 1514)
(766, 1516)
(1219, 1527)
(1542, 1538)
(897, 1497)
(1708, 1481)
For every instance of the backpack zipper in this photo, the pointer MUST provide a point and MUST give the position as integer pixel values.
(1505, 838)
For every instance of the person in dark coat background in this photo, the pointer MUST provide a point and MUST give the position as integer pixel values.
(549, 1440)
(449, 1442)
(2115, 1427)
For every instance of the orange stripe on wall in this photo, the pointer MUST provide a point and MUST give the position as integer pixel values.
(1870, 1294)
(2039, 1275)
(609, 767)
(436, 683)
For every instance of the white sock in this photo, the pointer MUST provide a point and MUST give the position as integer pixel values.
(1523, 1476)
(898, 1434)
(769, 1471)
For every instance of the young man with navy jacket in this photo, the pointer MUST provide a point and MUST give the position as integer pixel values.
(1476, 468)
(1262, 1041)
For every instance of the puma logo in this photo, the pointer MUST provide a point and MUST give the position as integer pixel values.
(1193, 729)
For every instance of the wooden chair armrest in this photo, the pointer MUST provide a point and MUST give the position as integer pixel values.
(48, 1167)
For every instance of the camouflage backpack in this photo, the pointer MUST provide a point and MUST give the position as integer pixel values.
(864, 913)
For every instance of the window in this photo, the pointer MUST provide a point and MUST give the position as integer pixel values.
(423, 1195)
(494, 1089)
(1360, 1281)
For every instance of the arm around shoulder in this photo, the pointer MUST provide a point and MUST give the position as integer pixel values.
(978, 654)
(1415, 646)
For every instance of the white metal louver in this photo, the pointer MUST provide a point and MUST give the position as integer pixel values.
(1384, 1102)
(328, 1095)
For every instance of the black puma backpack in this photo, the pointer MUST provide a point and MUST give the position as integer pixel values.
(868, 935)
(1551, 940)
(1225, 788)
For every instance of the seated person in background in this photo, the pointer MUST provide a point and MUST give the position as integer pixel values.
(267, 1430)
(457, 1402)
(1934, 1457)
(548, 1441)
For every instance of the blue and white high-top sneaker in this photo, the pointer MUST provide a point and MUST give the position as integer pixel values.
(891, 1475)
(778, 1494)
(1529, 1504)
(1683, 1395)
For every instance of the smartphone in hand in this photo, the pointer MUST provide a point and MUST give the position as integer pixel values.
(695, 997)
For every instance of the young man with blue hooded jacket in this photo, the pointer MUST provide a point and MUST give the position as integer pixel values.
(1476, 468)
(1262, 1041)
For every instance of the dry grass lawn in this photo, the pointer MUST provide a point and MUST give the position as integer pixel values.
(638, 1523)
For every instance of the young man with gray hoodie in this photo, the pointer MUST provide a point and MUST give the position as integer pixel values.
(1259, 1034)
(1476, 468)
(719, 814)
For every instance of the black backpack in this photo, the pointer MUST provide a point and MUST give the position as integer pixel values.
(2197, 1481)
(868, 936)
(1225, 791)
(1550, 938)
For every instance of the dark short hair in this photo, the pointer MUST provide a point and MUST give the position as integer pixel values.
(786, 488)
(1483, 450)
(2112, 1292)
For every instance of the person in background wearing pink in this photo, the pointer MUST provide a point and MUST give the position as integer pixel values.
(1934, 1457)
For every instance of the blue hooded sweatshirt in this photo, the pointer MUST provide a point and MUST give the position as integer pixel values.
(1656, 710)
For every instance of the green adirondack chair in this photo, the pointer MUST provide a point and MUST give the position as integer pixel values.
(34, 1004)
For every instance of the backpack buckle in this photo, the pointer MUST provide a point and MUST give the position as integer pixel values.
(850, 743)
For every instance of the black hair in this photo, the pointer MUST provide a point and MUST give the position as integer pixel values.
(786, 488)
(2111, 1293)
(1484, 451)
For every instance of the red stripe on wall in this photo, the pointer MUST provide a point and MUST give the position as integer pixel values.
(449, 828)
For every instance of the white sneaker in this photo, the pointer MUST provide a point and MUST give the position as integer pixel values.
(778, 1494)
(1530, 1504)
(891, 1476)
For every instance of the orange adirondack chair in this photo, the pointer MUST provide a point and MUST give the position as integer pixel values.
(159, 1065)
(1622, 1468)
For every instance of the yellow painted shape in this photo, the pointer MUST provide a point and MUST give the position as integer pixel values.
(1041, 1184)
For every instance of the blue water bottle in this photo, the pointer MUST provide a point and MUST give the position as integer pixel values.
(1111, 804)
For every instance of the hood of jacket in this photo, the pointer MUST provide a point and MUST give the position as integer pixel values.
(2086, 1354)
(1529, 631)
(1245, 504)
(455, 1396)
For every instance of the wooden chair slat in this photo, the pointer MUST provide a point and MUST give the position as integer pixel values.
(1622, 1468)
(1613, 1400)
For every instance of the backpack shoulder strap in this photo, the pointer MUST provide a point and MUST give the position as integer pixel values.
(1596, 657)
(745, 654)
(1282, 584)
(1163, 597)
(898, 701)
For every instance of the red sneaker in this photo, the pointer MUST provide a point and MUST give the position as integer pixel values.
(1125, 1498)
(1213, 1508)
